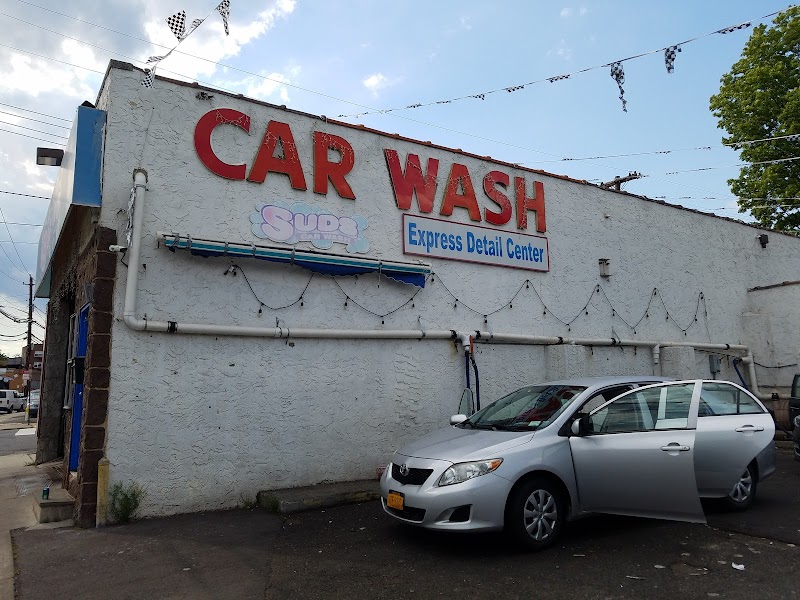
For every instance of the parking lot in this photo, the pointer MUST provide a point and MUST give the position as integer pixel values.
(357, 551)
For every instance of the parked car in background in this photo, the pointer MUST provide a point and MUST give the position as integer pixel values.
(556, 451)
(33, 403)
(11, 400)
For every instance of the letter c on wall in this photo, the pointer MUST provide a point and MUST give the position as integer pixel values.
(202, 140)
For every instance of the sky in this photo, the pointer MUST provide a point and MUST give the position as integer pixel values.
(354, 57)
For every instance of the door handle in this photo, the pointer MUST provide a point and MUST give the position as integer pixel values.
(675, 447)
(748, 428)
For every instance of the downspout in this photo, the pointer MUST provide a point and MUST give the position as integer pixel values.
(656, 360)
(751, 375)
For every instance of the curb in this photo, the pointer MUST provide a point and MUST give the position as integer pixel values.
(294, 500)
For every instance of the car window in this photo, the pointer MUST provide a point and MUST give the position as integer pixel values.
(718, 399)
(663, 407)
(531, 407)
(602, 397)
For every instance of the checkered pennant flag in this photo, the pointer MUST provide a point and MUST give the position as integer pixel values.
(224, 9)
(618, 74)
(195, 24)
(177, 24)
(149, 77)
(734, 28)
(669, 57)
(155, 59)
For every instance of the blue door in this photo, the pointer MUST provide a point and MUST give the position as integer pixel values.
(77, 394)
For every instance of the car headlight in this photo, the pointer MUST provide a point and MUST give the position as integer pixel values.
(462, 472)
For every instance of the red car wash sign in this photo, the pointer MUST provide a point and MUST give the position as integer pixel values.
(503, 199)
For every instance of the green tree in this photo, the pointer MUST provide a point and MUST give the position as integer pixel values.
(760, 98)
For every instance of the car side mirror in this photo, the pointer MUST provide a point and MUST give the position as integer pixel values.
(456, 419)
(580, 426)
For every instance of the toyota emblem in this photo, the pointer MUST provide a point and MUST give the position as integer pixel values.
(403, 470)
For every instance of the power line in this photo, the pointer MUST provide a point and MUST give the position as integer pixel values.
(8, 230)
(27, 196)
(763, 162)
(553, 79)
(18, 242)
(428, 124)
(35, 113)
(35, 130)
(4, 112)
(30, 136)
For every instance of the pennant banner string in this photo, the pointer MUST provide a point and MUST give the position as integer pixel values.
(735, 145)
(514, 88)
(177, 25)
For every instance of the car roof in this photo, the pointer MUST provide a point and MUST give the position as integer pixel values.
(595, 382)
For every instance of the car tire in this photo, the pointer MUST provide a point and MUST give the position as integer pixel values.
(535, 513)
(744, 492)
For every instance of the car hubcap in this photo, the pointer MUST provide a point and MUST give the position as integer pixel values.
(741, 491)
(540, 514)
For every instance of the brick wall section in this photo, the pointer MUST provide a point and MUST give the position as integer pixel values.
(96, 377)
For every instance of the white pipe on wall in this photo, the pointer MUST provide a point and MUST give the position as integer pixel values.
(129, 316)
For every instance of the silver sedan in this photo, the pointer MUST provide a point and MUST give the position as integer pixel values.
(556, 451)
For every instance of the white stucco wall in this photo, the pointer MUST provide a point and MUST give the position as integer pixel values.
(200, 420)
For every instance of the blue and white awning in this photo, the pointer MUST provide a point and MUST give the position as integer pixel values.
(319, 262)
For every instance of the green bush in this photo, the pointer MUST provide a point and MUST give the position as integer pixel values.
(124, 501)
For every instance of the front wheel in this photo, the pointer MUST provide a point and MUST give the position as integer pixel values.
(535, 513)
(744, 492)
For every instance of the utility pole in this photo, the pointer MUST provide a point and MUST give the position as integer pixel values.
(617, 182)
(30, 324)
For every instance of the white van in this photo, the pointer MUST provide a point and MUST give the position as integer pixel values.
(11, 401)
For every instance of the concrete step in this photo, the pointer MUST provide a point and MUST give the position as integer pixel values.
(58, 507)
(323, 495)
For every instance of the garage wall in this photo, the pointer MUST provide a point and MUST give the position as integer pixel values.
(200, 420)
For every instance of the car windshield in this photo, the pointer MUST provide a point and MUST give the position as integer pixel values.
(526, 409)
(34, 395)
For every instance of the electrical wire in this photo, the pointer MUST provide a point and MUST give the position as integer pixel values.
(3, 112)
(27, 196)
(468, 134)
(34, 130)
(33, 137)
(8, 230)
(553, 79)
(750, 164)
(35, 113)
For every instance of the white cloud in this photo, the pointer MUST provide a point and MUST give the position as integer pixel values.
(465, 23)
(567, 12)
(375, 83)
(209, 40)
(35, 76)
(562, 51)
(269, 85)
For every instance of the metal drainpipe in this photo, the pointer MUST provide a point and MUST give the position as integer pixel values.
(129, 316)
(657, 361)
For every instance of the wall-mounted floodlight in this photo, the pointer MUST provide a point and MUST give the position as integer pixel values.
(49, 157)
(763, 239)
(604, 263)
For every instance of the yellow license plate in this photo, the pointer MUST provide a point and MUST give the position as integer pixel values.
(394, 500)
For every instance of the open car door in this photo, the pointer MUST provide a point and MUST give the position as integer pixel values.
(634, 455)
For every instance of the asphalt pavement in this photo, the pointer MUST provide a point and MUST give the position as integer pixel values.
(16, 435)
(356, 551)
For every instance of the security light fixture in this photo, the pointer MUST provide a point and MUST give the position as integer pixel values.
(604, 262)
(763, 239)
(49, 157)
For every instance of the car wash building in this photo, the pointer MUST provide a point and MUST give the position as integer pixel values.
(245, 297)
